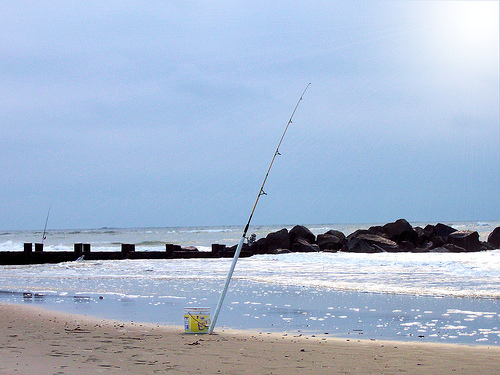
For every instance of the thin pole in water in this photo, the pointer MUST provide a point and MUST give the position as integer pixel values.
(44, 235)
(240, 244)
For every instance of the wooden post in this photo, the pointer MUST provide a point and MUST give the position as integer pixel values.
(222, 250)
(218, 249)
(215, 249)
(77, 247)
(127, 248)
(86, 248)
(38, 247)
(28, 247)
(169, 248)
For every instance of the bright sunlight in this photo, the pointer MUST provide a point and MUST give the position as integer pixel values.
(464, 34)
(475, 20)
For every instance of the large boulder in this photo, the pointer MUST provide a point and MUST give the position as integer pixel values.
(301, 231)
(259, 246)
(436, 241)
(494, 238)
(360, 232)
(337, 233)
(400, 231)
(454, 248)
(301, 245)
(465, 239)
(422, 236)
(376, 229)
(435, 236)
(406, 246)
(331, 241)
(443, 230)
(277, 240)
(429, 230)
(358, 245)
(370, 243)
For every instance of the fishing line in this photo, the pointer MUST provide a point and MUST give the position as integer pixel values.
(261, 193)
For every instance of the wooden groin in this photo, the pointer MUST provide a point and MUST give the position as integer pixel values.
(82, 251)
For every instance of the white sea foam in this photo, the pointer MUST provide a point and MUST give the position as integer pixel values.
(437, 274)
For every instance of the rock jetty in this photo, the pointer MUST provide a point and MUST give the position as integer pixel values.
(398, 236)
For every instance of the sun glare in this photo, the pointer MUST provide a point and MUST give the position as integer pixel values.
(474, 20)
(464, 34)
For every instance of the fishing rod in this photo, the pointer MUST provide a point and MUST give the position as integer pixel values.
(44, 235)
(240, 244)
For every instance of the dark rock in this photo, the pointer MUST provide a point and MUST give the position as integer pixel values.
(494, 238)
(422, 237)
(429, 230)
(465, 239)
(392, 237)
(396, 228)
(406, 246)
(454, 248)
(301, 231)
(330, 242)
(436, 241)
(362, 231)
(443, 230)
(485, 246)
(337, 234)
(370, 243)
(259, 246)
(435, 236)
(400, 231)
(278, 240)
(357, 245)
(377, 230)
(301, 245)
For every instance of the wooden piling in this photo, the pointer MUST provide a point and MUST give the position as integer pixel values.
(78, 249)
(218, 249)
(127, 248)
(169, 248)
(28, 247)
(28, 256)
(86, 248)
(215, 249)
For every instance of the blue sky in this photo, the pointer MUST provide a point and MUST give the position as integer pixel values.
(142, 113)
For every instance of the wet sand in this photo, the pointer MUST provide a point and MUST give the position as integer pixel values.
(38, 341)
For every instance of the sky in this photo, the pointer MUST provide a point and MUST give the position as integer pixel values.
(155, 114)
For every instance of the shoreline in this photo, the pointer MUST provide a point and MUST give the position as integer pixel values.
(293, 310)
(36, 340)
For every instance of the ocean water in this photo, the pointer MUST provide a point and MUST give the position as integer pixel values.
(434, 297)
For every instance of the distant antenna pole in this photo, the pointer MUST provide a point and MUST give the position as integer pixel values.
(44, 235)
(240, 244)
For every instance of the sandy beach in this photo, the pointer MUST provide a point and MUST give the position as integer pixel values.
(38, 341)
